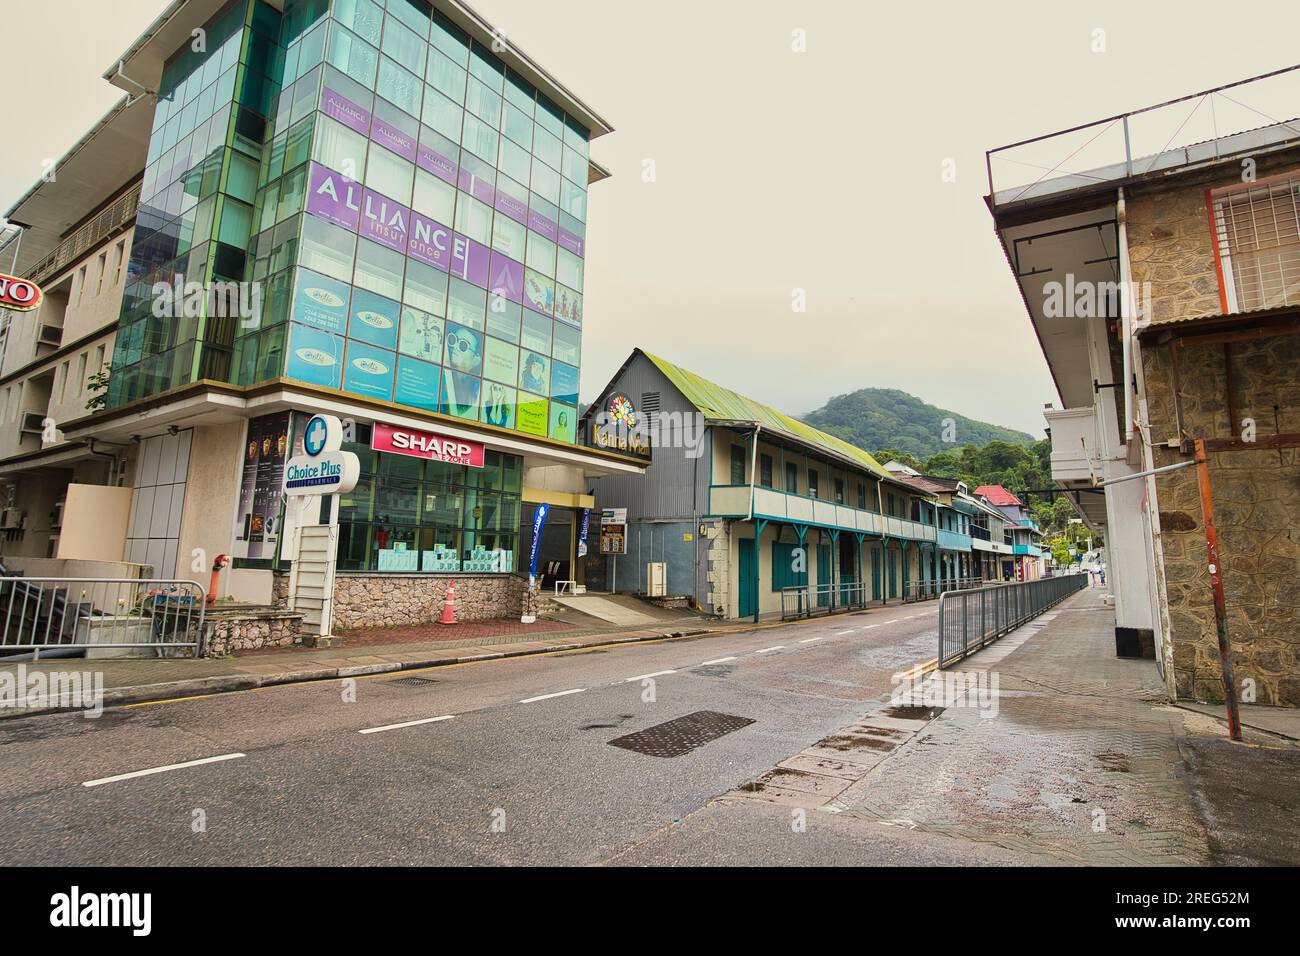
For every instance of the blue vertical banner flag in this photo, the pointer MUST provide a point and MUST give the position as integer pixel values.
(539, 519)
(582, 533)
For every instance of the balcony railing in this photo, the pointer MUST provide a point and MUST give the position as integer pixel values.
(1244, 118)
(732, 501)
(114, 217)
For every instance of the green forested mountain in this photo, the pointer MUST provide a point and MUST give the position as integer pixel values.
(888, 418)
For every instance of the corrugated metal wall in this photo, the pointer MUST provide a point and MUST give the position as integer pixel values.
(665, 503)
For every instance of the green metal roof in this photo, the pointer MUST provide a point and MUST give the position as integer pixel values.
(722, 404)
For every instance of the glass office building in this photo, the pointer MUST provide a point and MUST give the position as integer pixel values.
(407, 212)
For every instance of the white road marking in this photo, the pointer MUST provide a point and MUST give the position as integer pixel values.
(563, 693)
(768, 650)
(153, 770)
(837, 634)
(648, 676)
(868, 627)
(809, 640)
(720, 660)
(407, 723)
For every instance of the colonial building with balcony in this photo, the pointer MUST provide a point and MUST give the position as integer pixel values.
(1162, 277)
(742, 501)
(971, 533)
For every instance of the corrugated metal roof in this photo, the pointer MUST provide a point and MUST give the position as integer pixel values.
(997, 495)
(717, 403)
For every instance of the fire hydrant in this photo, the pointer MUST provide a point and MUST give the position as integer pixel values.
(222, 560)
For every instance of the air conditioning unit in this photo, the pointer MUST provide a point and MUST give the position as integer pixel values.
(50, 335)
(11, 519)
(33, 423)
(56, 517)
(656, 579)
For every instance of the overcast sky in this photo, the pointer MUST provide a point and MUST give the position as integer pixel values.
(778, 170)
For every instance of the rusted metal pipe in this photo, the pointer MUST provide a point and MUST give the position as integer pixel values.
(1216, 583)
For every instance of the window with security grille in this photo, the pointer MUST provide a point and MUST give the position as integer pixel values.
(1258, 242)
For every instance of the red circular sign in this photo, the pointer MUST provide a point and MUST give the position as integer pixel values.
(19, 295)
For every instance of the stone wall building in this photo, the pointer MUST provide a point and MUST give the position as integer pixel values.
(1191, 258)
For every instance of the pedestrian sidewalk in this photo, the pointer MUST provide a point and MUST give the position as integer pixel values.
(1066, 755)
(137, 681)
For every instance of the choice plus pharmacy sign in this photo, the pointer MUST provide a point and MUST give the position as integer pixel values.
(422, 444)
(323, 469)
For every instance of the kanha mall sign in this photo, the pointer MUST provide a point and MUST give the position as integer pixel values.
(422, 444)
(19, 295)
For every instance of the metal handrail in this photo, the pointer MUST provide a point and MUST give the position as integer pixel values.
(813, 601)
(100, 614)
(971, 620)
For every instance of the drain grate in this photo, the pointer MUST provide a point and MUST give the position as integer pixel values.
(682, 735)
(412, 681)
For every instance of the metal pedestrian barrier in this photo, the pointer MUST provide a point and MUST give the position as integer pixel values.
(797, 602)
(100, 617)
(971, 620)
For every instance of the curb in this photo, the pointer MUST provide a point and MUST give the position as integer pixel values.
(1281, 735)
(234, 683)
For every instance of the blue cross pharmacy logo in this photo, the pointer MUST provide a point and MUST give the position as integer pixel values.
(315, 436)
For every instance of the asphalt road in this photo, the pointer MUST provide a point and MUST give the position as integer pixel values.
(519, 769)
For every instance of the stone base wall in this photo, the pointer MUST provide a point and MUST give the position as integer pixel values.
(280, 588)
(232, 631)
(1257, 513)
(402, 600)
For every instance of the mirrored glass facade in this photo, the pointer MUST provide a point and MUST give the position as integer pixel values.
(413, 215)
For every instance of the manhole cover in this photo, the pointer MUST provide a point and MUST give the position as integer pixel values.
(682, 735)
(412, 681)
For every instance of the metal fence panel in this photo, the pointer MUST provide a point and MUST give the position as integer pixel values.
(970, 620)
(101, 617)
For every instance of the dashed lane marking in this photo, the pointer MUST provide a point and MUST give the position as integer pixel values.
(648, 676)
(768, 650)
(406, 723)
(562, 693)
(153, 770)
(720, 660)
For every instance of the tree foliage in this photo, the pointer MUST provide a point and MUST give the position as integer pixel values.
(890, 418)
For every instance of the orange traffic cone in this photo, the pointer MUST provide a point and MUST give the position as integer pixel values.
(449, 605)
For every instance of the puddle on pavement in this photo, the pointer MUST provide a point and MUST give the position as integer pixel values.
(847, 742)
(1112, 760)
(912, 712)
(714, 670)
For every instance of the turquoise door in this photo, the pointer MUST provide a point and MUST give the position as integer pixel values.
(748, 579)
(823, 574)
(893, 577)
(875, 574)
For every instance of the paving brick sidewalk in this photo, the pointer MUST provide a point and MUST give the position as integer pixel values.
(1084, 763)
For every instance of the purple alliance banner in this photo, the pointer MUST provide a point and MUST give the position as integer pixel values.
(571, 242)
(469, 260)
(392, 138)
(430, 242)
(339, 107)
(333, 198)
(543, 226)
(506, 278)
(384, 221)
(512, 207)
(432, 161)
